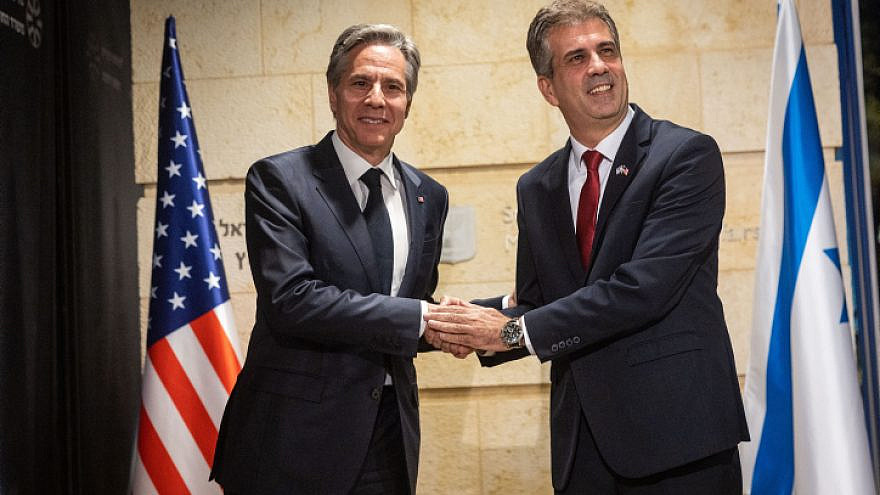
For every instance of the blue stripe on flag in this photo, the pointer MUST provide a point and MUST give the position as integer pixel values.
(803, 170)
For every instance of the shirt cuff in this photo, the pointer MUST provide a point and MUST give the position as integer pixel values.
(422, 319)
(505, 301)
(522, 324)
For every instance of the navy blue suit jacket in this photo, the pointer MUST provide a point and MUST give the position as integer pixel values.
(638, 342)
(300, 417)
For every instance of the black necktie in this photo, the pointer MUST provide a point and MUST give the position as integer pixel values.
(379, 225)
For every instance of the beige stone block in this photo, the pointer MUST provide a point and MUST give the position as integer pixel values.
(298, 35)
(491, 192)
(822, 62)
(145, 112)
(439, 370)
(244, 307)
(667, 86)
(216, 38)
(685, 25)
(322, 119)
(146, 222)
(515, 451)
(477, 115)
(238, 120)
(817, 26)
(450, 449)
(735, 88)
(744, 175)
(144, 316)
(489, 31)
(229, 224)
(834, 174)
(736, 288)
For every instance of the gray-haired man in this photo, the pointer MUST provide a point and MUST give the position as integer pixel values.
(343, 240)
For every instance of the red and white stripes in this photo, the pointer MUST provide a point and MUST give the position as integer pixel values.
(188, 376)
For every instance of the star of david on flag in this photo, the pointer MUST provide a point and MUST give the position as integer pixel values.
(193, 356)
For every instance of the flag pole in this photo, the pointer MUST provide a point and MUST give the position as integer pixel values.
(859, 212)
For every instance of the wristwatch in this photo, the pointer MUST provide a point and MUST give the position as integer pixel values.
(512, 334)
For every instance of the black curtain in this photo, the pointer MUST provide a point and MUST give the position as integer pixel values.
(69, 338)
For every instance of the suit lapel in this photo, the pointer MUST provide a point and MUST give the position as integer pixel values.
(334, 188)
(555, 183)
(415, 216)
(632, 151)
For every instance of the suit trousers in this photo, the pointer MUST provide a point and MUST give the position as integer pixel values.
(384, 469)
(718, 474)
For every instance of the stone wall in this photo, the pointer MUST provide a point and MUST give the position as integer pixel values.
(255, 78)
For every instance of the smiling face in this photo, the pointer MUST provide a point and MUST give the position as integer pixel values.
(588, 82)
(370, 102)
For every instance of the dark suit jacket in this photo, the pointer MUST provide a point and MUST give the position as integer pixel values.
(638, 343)
(300, 417)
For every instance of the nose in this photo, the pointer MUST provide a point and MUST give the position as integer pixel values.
(597, 65)
(376, 98)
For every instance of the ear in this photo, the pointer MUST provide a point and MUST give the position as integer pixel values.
(332, 96)
(546, 88)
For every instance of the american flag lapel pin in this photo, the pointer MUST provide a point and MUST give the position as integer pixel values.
(420, 199)
(622, 170)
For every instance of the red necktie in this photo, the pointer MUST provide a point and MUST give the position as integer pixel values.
(588, 205)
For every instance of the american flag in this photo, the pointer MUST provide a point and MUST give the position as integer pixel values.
(193, 357)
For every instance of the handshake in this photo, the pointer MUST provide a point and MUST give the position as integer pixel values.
(460, 328)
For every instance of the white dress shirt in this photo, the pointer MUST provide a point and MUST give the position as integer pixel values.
(577, 175)
(392, 192)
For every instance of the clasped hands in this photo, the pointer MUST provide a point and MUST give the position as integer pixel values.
(460, 328)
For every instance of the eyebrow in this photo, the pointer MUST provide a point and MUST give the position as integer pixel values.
(571, 53)
(384, 78)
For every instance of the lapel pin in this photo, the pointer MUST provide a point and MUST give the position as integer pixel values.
(420, 199)
(622, 170)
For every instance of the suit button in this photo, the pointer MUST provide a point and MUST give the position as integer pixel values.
(554, 347)
(568, 342)
(376, 393)
(561, 344)
(577, 340)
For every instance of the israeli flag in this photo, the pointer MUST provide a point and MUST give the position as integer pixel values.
(802, 396)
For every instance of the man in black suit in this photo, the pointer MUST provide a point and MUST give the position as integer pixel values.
(616, 282)
(327, 400)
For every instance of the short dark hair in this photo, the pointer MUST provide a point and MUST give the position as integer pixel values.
(561, 12)
(381, 34)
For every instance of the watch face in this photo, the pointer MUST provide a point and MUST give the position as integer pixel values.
(511, 333)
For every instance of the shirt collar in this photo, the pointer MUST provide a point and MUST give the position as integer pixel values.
(355, 166)
(610, 144)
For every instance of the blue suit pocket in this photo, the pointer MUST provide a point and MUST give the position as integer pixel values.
(287, 383)
(661, 347)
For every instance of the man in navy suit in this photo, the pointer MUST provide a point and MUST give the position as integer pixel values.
(616, 282)
(344, 241)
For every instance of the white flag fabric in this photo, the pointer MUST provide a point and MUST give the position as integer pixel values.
(802, 396)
